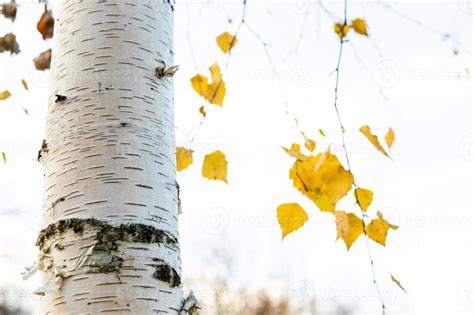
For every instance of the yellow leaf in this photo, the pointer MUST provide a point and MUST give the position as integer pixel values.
(378, 228)
(25, 85)
(322, 132)
(397, 283)
(214, 92)
(291, 217)
(360, 26)
(4, 95)
(390, 137)
(322, 179)
(308, 143)
(373, 139)
(215, 166)
(4, 157)
(349, 227)
(226, 41)
(295, 152)
(364, 198)
(341, 30)
(200, 83)
(184, 158)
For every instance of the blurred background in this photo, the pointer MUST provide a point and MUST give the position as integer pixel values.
(412, 73)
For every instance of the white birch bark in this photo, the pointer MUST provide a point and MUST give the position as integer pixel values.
(109, 154)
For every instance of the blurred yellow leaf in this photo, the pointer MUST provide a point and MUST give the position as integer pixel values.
(378, 228)
(25, 85)
(364, 198)
(213, 92)
(360, 26)
(4, 95)
(295, 152)
(390, 137)
(341, 30)
(200, 83)
(397, 283)
(184, 158)
(309, 143)
(4, 157)
(349, 227)
(322, 132)
(373, 139)
(215, 166)
(226, 41)
(322, 179)
(291, 217)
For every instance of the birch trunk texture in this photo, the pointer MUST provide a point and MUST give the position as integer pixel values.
(109, 242)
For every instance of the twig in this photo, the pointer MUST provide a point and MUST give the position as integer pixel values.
(336, 89)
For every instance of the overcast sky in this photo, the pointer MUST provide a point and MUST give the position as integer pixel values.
(405, 76)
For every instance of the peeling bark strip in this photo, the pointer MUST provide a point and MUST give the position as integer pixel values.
(110, 156)
(107, 234)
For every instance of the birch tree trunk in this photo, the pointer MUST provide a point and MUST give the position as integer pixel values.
(110, 237)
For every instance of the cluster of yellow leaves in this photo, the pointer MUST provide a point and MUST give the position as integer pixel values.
(214, 166)
(389, 139)
(213, 92)
(323, 179)
(358, 25)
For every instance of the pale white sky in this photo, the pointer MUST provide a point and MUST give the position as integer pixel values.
(405, 77)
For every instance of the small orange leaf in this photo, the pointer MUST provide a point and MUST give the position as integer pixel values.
(46, 24)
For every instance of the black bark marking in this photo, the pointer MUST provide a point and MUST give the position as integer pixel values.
(107, 234)
(166, 273)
